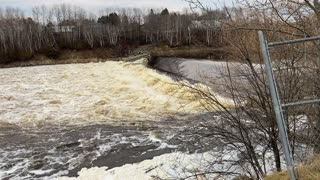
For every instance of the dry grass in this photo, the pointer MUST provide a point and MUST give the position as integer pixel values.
(45, 61)
(306, 171)
(68, 57)
(110, 54)
(188, 52)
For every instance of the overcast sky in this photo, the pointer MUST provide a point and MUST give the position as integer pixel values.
(92, 5)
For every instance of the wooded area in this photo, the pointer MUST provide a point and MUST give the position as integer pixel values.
(69, 27)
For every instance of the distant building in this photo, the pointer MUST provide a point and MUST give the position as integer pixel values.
(62, 29)
(205, 24)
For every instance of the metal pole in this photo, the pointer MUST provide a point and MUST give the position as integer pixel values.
(301, 103)
(277, 106)
(293, 41)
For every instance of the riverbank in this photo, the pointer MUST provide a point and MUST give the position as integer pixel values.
(195, 52)
(309, 170)
(110, 54)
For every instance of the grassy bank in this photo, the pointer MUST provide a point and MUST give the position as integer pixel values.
(111, 54)
(197, 52)
(306, 171)
(66, 57)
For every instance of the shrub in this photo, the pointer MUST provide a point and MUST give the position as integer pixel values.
(53, 53)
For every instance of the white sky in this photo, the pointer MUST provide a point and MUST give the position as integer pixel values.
(176, 5)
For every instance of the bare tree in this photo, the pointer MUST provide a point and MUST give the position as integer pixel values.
(70, 27)
(250, 126)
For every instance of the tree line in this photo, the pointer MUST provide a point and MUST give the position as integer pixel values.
(63, 26)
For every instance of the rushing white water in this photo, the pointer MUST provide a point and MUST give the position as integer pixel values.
(219, 163)
(97, 94)
(91, 93)
(168, 166)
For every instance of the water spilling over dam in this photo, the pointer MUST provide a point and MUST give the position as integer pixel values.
(90, 93)
(55, 120)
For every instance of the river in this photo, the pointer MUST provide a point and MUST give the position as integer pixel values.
(56, 120)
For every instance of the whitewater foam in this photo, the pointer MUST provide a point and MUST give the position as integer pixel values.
(79, 94)
(175, 165)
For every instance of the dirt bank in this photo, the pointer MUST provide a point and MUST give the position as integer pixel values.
(188, 52)
(110, 54)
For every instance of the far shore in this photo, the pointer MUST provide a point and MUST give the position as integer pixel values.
(102, 55)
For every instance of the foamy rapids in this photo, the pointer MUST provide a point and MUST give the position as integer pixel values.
(92, 93)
